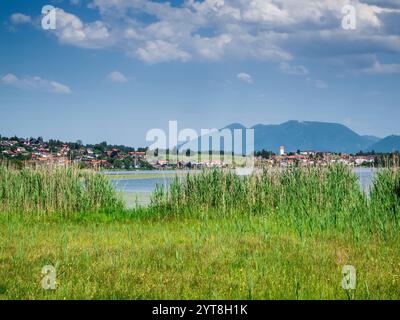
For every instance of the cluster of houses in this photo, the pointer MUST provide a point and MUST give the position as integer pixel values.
(322, 159)
(302, 158)
(32, 150)
(190, 164)
(312, 157)
(37, 151)
(112, 159)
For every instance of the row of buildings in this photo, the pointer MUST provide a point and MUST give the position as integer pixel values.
(303, 158)
(37, 151)
(310, 158)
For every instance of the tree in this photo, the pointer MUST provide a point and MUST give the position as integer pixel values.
(118, 164)
(264, 154)
(127, 162)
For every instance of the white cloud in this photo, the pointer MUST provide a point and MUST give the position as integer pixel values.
(20, 18)
(245, 77)
(261, 11)
(211, 48)
(57, 87)
(320, 84)
(384, 3)
(71, 30)
(34, 83)
(9, 79)
(116, 76)
(379, 68)
(216, 30)
(161, 51)
(293, 70)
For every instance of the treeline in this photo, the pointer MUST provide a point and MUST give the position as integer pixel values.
(54, 144)
(387, 159)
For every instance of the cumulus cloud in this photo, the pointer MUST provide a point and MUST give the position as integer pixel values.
(259, 11)
(216, 30)
(211, 48)
(161, 51)
(245, 77)
(9, 79)
(293, 70)
(20, 18)
(379, 68)
(383, 3)
(34, 83)
(320, 84)
(116, 76)
(71, 30)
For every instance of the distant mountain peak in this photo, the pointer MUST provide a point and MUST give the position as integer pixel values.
(389, 144)
(309, 135)
(292, 122)
(315, 135)
(234, 126)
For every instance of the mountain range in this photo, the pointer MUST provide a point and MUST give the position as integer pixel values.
(319, 136)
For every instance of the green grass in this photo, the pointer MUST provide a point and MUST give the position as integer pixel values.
(181, 258)
(215, 236)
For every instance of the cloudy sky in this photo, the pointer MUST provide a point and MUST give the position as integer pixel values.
(114, 69)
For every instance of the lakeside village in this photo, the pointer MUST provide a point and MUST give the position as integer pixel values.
(36, 151)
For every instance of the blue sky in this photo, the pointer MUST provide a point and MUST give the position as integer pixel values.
(112, 70)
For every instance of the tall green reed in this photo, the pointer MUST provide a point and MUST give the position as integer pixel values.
(61, 190)
(385, 201)
(309, 198)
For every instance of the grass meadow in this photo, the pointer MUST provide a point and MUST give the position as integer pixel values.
(273, 235)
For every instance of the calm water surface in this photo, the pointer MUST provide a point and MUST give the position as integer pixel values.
(137, 191)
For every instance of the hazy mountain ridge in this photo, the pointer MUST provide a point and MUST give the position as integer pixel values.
(388, 144)
(319, 136)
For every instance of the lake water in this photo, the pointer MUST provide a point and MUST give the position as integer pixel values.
(137, 191)
(366, 177)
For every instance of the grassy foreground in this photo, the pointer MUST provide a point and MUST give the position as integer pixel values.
(218, 247)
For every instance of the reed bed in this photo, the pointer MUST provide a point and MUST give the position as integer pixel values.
(58, 190)
(385, 200)
(272, 235)
(309, 198)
